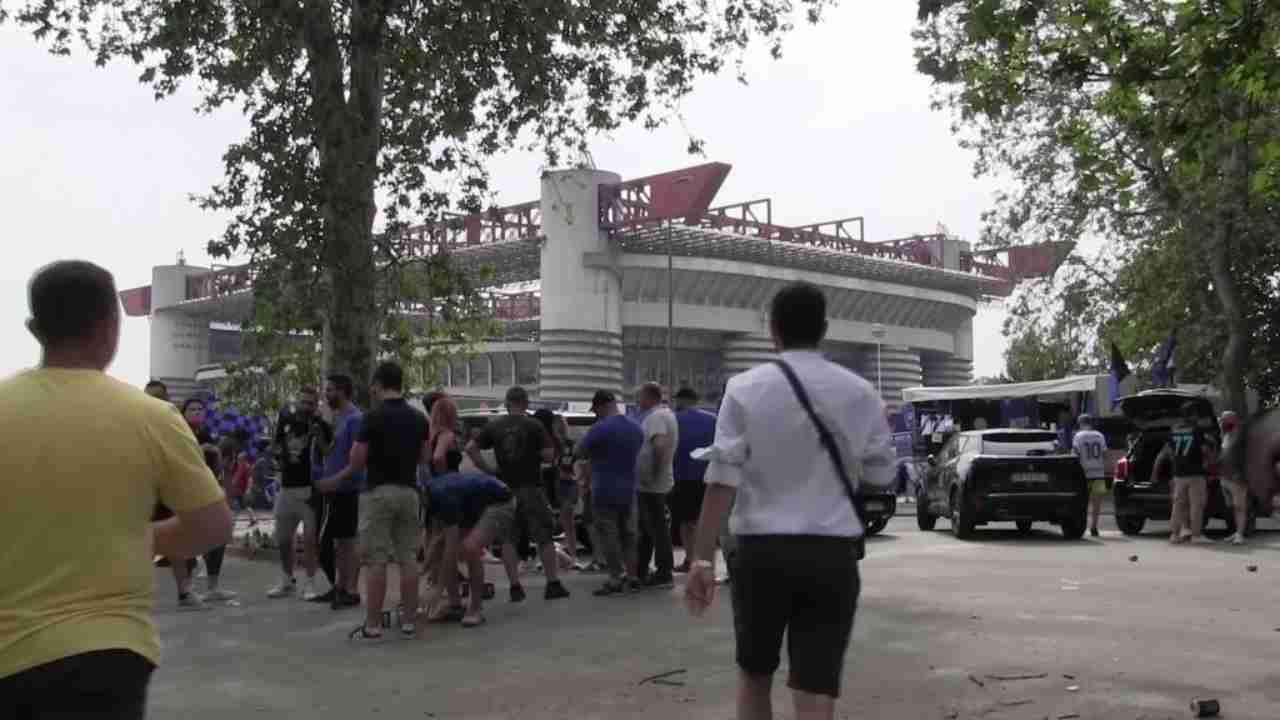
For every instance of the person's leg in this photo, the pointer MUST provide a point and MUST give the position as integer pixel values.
(755, 696)
(825, 587)
(642, 549)
(660, 519)
(609, 534)
(213, 568)
(287, 520)
(375, 594)
(406, 541)
(310, 541)
(511, 563)
(1178, 512)
(629, 535)
(761, 605)
(1197, 492)
(346, 529)
(1239, 508)
(532, 502)
(326, 552)
(1097, 491)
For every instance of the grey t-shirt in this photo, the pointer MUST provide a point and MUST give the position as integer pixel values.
(659, 421)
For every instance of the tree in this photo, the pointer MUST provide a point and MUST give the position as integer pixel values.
(1153, 125)
(395, 101)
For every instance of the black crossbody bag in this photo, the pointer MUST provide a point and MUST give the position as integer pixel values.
(829, 442)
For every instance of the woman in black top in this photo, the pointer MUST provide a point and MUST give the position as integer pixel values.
(445, 455)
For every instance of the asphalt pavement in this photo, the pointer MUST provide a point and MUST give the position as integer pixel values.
(1004, 626)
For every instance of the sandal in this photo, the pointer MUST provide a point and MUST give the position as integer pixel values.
(471, 621)
(452, 614)
(362, 634)
(408, 630)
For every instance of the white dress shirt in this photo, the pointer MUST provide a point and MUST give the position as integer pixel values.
(769, 450)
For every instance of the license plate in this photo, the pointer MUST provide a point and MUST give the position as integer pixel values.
(875, 506)
(1030, 478)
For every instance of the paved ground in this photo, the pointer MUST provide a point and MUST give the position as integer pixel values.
(1113, 638)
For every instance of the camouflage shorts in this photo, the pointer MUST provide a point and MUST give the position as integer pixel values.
(389, 525)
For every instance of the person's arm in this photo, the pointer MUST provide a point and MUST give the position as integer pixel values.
(878, 456)
(724, 476)
(548, 451)
(475, 446)
(452, 553)
(356, 463)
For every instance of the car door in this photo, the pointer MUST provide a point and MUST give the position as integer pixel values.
(939, 483)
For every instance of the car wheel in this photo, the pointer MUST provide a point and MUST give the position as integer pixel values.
(1131, 524)
(925, 520)
(962, 520)
(1024, 526)
(875, 526)
(1073, 527)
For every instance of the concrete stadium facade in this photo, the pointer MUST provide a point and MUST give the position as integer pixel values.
(629, 274)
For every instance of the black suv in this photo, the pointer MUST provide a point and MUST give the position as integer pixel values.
(1139, 496)
(1017, 476)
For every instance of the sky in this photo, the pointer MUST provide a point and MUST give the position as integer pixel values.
(93, 167)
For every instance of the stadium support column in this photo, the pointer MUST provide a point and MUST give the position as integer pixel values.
(899, 368)
(743, 352)
(581, 332)
(956, 368)
(179, 341)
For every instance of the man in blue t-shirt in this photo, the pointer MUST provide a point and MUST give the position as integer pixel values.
(697, 430)
(474, 509)
(340, 508)
(612, 446)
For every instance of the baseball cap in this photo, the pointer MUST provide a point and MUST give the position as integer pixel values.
(602, 397)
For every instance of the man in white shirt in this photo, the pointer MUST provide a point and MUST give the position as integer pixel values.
(795, 570)
(1091, 447)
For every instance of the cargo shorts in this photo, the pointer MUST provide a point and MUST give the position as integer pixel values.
(389, 525)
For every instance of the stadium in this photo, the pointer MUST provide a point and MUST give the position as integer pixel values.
(606, 283)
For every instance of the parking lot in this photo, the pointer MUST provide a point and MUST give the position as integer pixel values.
(1119, 627)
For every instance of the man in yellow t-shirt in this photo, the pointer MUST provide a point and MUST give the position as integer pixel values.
(86, 459)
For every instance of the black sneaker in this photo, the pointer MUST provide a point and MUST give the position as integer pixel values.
(343, 600)
(633, 585)
(517, 593)
(556, 590)
(325, 598)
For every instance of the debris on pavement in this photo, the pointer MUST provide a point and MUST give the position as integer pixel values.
(973, 679)
(1251, 568)
(1073, 688)
(1133, 558)
(1208, 707)
(660, 677)
(1069, 716)
(1015, 703)
(1068, 677)
(1027, 676)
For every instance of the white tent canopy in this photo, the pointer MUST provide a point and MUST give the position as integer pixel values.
(1074, 384)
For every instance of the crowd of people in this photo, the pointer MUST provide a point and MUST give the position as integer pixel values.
(104, 492)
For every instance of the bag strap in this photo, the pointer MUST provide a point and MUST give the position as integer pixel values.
(824, 436)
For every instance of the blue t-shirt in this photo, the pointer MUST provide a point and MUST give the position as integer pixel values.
(612, 445)
(697, 430)
(459, 499)
(347, 427)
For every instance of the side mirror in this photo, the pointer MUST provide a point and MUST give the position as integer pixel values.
(932, 461)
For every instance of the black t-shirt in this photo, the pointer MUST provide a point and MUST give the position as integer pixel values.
(517, 442)
(395, 433)
(293, 436)
(1188, 450)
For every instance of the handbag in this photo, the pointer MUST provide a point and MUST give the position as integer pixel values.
(829, 442)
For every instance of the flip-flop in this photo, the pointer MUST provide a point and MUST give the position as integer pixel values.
(473, 621)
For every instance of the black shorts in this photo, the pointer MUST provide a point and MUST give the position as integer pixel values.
(107, 684)
(340, 518)
(686, 502)
(806, 586)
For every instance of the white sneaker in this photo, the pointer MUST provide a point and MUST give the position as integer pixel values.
(285, 589)
(219, 595)
(309, 590)
(1237, 539)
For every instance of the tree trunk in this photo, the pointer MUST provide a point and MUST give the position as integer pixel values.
(1235, 356)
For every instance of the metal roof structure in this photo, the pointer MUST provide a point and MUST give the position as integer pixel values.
(669, 213)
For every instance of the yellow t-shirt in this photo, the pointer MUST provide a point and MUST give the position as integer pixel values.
(85, 459)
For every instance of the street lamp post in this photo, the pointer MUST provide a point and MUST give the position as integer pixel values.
(878, 332)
